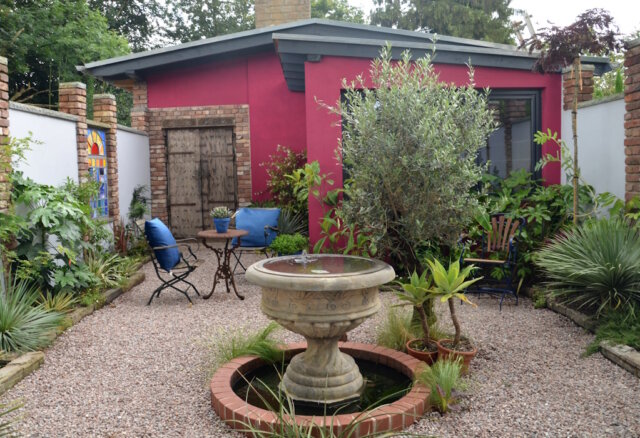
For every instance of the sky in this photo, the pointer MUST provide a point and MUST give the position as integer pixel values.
(626, 13)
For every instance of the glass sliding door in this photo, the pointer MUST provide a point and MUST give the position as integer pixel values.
(510, 147)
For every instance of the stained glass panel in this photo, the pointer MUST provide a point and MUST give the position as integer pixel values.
(97, 156)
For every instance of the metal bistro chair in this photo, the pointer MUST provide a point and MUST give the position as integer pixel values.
(502, 237)
(262, 225)
(172, 266)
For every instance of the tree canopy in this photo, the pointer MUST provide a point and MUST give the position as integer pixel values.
(336, 10)
(44, 40)
(487, 20)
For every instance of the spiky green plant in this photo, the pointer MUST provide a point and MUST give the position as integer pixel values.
(109, 270)
(290, 222)
(61, 302)
(443, 378)
(397, 329)
(24, 324)
(7, 428)
(416, 292)
(259, 343)
(450, 284)
(595, 266)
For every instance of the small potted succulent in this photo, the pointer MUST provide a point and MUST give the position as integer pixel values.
(449, 285)
(415, 293)
(288, 244)
(221, 218)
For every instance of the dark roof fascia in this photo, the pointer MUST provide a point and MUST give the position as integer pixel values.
(259, 39)
(294, 49)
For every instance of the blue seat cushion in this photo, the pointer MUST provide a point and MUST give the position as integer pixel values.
(159, 235)
(254, 220)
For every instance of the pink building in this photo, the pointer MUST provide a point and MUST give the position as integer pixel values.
(216, 109)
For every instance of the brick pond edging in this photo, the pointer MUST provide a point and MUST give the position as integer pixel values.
(238, 414)
(26, 363)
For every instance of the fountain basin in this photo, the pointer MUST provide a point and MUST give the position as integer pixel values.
(239, 415)
(321, 297)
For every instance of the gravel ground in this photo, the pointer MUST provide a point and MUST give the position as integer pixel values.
(130, 370)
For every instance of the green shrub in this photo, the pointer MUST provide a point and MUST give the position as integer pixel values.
(62, 302)
(282, 188)
(24, 324)
(92, 297)
(443, 378)
(285, 244)
(618, 330)
(409, 144)
(139, 205)
(595, 266)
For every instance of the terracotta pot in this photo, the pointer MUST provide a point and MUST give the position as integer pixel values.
(427, 357)
(444, 352)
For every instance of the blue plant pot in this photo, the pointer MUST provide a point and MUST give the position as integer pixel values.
(222, 225)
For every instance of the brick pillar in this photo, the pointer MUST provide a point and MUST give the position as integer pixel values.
(632, 118)
(139, 118)
(105, 111)
(73, 100)
(5, 186)
(570, 82)
(274, 12)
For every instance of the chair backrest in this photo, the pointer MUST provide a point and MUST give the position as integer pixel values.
(502, 230)
(159, 235)
(254, 220)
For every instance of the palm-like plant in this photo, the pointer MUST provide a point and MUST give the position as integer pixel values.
(449, 284)
(24, 324)
(416, 292)
(443, 378)
(596, 265)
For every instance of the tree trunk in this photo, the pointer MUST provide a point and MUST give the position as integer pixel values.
(456, 324)
(428, 310)
(425, 325)
(574, 126)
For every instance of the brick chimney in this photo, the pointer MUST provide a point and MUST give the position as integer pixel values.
(274, 12)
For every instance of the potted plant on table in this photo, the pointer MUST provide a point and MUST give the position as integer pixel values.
(221, 218)
(288, 244)
(449, 285)
(416, 292)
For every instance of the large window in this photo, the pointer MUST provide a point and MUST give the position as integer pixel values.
(511, 146)
(97, 156)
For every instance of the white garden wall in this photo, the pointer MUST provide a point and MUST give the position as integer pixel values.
(600, 143)
(133, 164)
(52, 157)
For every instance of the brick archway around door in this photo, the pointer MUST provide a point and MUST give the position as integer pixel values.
(161, 119)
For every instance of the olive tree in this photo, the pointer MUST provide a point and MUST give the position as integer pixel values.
(410, 145)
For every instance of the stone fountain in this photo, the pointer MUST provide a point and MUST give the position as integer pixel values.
(321, 297)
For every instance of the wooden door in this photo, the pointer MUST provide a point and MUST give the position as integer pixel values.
(201, 175)
(219, 180)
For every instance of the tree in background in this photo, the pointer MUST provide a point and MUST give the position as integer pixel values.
(488, 20)
(592, 33)
(336, 10)
(190, 20)
(44, 40)
(137, 20)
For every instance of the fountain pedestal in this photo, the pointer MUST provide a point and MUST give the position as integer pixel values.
(321, 298)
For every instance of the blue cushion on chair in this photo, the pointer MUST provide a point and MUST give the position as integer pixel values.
(254, 220)
(159, 235)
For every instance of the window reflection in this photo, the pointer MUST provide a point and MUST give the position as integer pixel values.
(510, 146)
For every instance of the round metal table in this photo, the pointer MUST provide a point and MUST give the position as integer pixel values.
(223, 254)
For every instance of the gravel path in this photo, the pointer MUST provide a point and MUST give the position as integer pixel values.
(130, 370)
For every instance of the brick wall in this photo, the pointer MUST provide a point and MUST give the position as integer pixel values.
(570, 82)
(139, 109)
(5, 186)
(73, 100)
(274, 12)
(105, 111)
(158, 118)
(632, 118)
